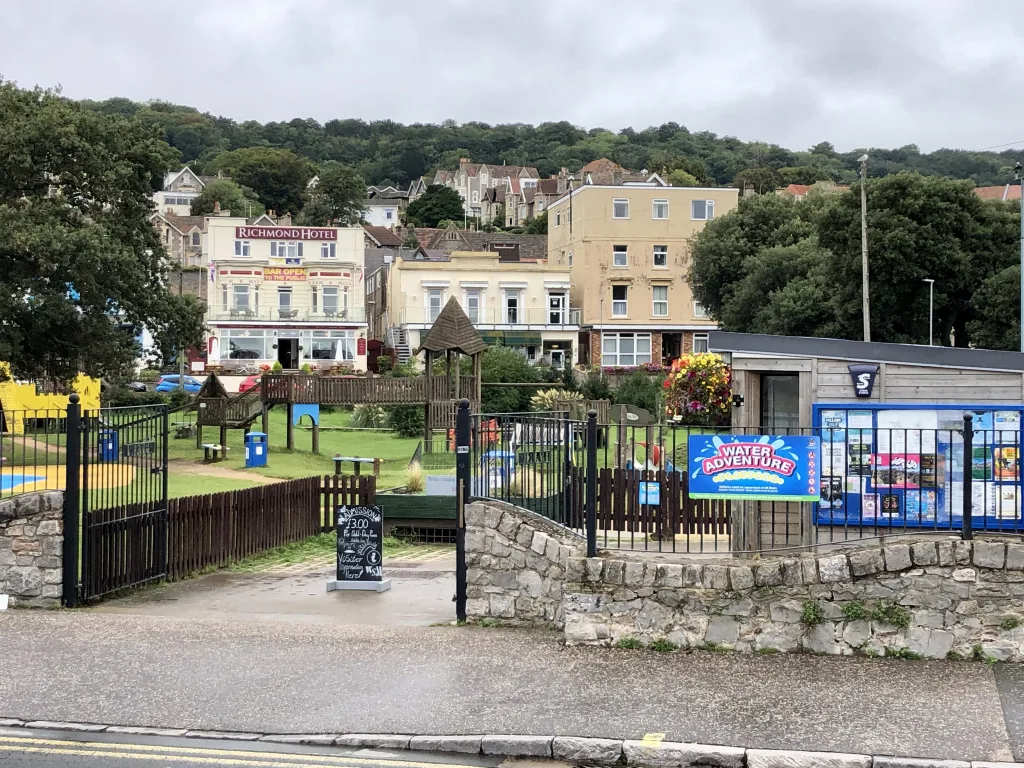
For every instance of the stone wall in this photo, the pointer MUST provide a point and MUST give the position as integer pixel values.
(932, 597)
(516, 564)
(31, 548)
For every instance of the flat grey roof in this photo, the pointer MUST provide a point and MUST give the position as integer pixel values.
(865, 351)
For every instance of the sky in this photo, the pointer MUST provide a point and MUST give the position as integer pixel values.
(858, 73)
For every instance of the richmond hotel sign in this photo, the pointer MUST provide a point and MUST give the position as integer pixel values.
(285, 233)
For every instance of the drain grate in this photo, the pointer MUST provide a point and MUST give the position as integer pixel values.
(415, 573)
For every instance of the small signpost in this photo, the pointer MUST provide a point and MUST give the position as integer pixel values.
(360, 550)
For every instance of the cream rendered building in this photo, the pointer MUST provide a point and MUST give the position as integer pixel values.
(280, 293)
(627, 249)
(521, 303)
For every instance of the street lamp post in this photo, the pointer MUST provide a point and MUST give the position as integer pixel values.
(931, 307)
(864, 245)
(1019, 175)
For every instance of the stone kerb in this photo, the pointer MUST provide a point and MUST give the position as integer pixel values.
(517, 563)
(31, 549)
(932, 598)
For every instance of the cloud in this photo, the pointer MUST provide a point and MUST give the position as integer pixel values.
(795, 72)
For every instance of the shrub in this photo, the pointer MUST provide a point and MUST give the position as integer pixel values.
(854, 610)
(370, 417)
(178, 398)
(384, 364)
(662, 645)
(640, 390)
(1010, 622)
(406, 420)
(698, 389)
(306, 368)
(553, 399)
(415, 478)
(569, 378)
(504, 365)
(595, 386)
(121, 396)
(277, 367)
(812, 614)
(629, 644)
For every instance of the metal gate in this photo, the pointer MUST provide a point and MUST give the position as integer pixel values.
(117, 492)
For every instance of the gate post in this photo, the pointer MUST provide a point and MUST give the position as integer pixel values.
(72, 505)
(592, 483)
(462, 482)
(967, 525)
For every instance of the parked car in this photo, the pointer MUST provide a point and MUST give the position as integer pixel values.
(250, 382)
(169, 383)
(136, 386)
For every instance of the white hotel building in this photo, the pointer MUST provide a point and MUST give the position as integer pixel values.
(286, 294)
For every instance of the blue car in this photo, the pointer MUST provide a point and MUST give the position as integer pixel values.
(169, 383)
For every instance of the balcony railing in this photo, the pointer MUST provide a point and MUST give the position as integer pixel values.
(491, 316)
(290, 314)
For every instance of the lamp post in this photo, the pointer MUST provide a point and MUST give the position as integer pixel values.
(931, 306)
(1019, 176)
(864, 245)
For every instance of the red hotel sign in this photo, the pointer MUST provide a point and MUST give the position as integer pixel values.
(285, 233)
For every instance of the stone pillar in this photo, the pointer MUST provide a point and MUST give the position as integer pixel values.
(687, 342)
(31, 547)
(595, 349)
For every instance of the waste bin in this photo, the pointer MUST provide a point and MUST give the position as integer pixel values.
(500, 463)
(256, 449)
(108, 444)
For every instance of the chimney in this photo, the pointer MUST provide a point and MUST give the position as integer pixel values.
(216, 208)
(463, 161)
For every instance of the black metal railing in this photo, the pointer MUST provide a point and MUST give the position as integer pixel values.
(33, 444)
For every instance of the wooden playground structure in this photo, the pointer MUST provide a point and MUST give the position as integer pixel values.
(452, 335)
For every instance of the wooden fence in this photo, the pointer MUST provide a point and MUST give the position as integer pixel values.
(619, 508)
(220, 529)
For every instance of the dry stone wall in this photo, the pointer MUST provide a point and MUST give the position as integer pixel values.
(31, 548)
(926, 597)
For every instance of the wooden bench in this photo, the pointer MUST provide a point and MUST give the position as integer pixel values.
(213, 452)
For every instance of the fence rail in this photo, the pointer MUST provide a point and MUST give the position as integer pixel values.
(32, 450)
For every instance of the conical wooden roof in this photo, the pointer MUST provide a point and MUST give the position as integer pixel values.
(212, 387)
(453, 331)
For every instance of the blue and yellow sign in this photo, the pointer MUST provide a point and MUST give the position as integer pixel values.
(754, 467)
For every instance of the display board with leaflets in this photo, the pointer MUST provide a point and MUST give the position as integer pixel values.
(887, 465)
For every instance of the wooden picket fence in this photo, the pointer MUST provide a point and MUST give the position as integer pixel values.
(219, 529)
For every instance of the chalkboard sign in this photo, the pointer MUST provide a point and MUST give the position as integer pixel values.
(360, 544)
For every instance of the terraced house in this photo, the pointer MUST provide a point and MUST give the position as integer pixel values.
(627, 249)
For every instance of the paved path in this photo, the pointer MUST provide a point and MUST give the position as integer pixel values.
(291, 677)
(187, 467)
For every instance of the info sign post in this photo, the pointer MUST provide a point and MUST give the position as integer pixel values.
(754, 467)
(360, 550)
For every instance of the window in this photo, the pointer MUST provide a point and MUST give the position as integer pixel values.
(240, 300)
(389, 214)
(620, 208)
(284, 299)
(328, 250)
(699, 311)
(167, 235)
(558, 218)
(702, 210)
(196, 238)
(619, 300)
(700, 342)
(626, 349)
(330, 299)
(570, 258)
(333, 345)
(620, 256)
(512, 306)
(660, 209)
(434, 297)
(661, 256)
(473, 306)
(476, 197)
(558, 359)
(556, 309)
(244, 345)
(242, 248)
(660, 295)
(283, 250)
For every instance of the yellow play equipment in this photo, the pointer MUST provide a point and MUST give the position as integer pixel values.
(16, 398)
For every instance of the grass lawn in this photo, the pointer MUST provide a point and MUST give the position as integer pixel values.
(302, 462)
(198, 485)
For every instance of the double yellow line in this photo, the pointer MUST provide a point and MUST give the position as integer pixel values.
(197, 755)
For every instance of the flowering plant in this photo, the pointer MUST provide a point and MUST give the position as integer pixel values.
(698, 388)
(621, 370)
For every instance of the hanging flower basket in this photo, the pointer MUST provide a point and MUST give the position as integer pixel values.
(698, 389)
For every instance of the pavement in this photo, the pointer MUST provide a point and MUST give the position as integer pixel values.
(322, 677)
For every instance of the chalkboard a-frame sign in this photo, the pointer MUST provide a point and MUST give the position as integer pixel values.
(360, 550)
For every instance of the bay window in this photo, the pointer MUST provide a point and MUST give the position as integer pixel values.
(329, 295)
(625, 349)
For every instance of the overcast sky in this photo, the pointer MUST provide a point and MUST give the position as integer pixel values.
(795, 72)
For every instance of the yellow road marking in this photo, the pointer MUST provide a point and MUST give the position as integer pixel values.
(162, 756)
(654, 738)
(143, 748)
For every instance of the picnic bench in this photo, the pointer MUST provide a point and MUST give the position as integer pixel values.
(357, 463)
(214, 452)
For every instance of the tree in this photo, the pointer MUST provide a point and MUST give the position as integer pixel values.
(641, 390)
(681, 178)
(336, 199)
(498, 222)
(762, 179)
(82, 270)
(538, 225)
(278, 176)
(996, 304)
(437, 203)
(232, 197)
(502, 365)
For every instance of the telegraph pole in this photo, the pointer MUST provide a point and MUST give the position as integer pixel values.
(864, 246)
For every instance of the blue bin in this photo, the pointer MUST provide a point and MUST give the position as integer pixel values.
(108, 444)
(256, 449)
(501, 463)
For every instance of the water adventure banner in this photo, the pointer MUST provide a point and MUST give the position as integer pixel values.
(755, 467)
